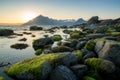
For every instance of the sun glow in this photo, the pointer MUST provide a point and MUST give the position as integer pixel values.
(29, 16)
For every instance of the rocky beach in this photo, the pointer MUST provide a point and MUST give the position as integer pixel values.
(88, 51)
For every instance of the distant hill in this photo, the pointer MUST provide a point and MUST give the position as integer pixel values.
(43, 20)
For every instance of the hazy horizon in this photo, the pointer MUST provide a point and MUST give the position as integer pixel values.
(21, 11)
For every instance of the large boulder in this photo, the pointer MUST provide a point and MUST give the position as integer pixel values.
(111, 51)
(101, 65)
(62, 73)
(6, 32)
(40, 67)
(41, 43)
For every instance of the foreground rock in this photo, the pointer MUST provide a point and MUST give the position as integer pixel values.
(40, 67)
(111, 51)
(62, 73)
(6, 32)
(19, 46)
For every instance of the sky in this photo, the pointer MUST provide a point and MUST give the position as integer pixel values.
(20, 11)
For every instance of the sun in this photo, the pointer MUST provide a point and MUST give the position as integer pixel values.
(29, 16)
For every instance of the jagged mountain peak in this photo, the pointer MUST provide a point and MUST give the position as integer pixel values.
(44, 20)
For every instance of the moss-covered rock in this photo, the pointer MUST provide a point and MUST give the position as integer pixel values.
(38, 68)
(79, 54)
(88, 78)
(1, 78)
(75, 35)
(63, 43)
(113, 34)
(57, 37)
(19, 46)
(90, 45)
(6, 32)
(41, 43)
(38, 52)
(100, 65)
(71, 43)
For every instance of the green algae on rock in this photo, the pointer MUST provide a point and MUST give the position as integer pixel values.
(57, 37)
(19, 46)
(100, 64)
(1, 78)
(38, 52)
(90, 45)
(88, 78)
(39, 67)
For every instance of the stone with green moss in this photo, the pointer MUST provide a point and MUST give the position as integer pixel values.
(19, 46)
(75, 35)
(100, 65)
(42, 43)
(113, 34)
(57, 37)
(1, 78)
(38, 52)
(90, 45)
(88, 78)
(38, 68)
(79, 54)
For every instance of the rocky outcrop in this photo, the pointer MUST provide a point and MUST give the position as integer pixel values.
(93, 20)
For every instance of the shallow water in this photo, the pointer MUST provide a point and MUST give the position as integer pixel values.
(12, 56)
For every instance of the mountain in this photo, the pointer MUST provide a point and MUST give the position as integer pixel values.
(43, 20)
